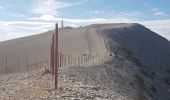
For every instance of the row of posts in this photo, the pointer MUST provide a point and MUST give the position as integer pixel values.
(68, 60)
(19, 66)
(64, 61)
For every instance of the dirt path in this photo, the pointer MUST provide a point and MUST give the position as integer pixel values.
(96, 42)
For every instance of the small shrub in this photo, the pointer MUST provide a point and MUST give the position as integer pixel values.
(137, 62)
(139, 97)
(152, 87)
(150, 94)
(129, 53)
(140, 83)
(168, 70)
(145, 73)
(131, 84)
(153, 73)
(167, 80)
(151, 77)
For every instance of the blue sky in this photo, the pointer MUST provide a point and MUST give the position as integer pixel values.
(26, 17)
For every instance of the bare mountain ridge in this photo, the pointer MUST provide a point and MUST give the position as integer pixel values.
(139, 70)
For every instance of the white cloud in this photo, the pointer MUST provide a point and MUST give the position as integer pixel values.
(46, 6)
(15, 29)
(1, 8)
(129, 14)
(160, 13)
(157, 12)
(47, 17)
(48, 9)
(82, 22)
(94, 12)
(43, 18)
(86, 21)
(159, 26)
(116, 13)
(155, 9)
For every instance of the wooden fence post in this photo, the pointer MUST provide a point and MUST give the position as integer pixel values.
(86, 60)
(6, 61)
(47, 63)
(52, 56)
(74, 61)
(71, 61)
(60, 59)
(36, 65)
(83, 60)
(27, 64)
(63, 60)
(78, 61)
(68, 60)
(18, 64)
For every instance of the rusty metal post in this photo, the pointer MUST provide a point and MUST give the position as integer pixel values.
(65, 60)
(47, 63)
(56, 57)
(72, 64)
(6, 65)
(27, 64)
(18, 64)
(73, 61)
(52, 56)
(60, 59)
(36, 65)
(81, 61)
(68, 60)
(78, 61)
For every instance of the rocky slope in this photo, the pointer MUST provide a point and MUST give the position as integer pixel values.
(149, 51)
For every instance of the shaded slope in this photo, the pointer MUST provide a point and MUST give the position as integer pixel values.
(145, 49)
(150, 48)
